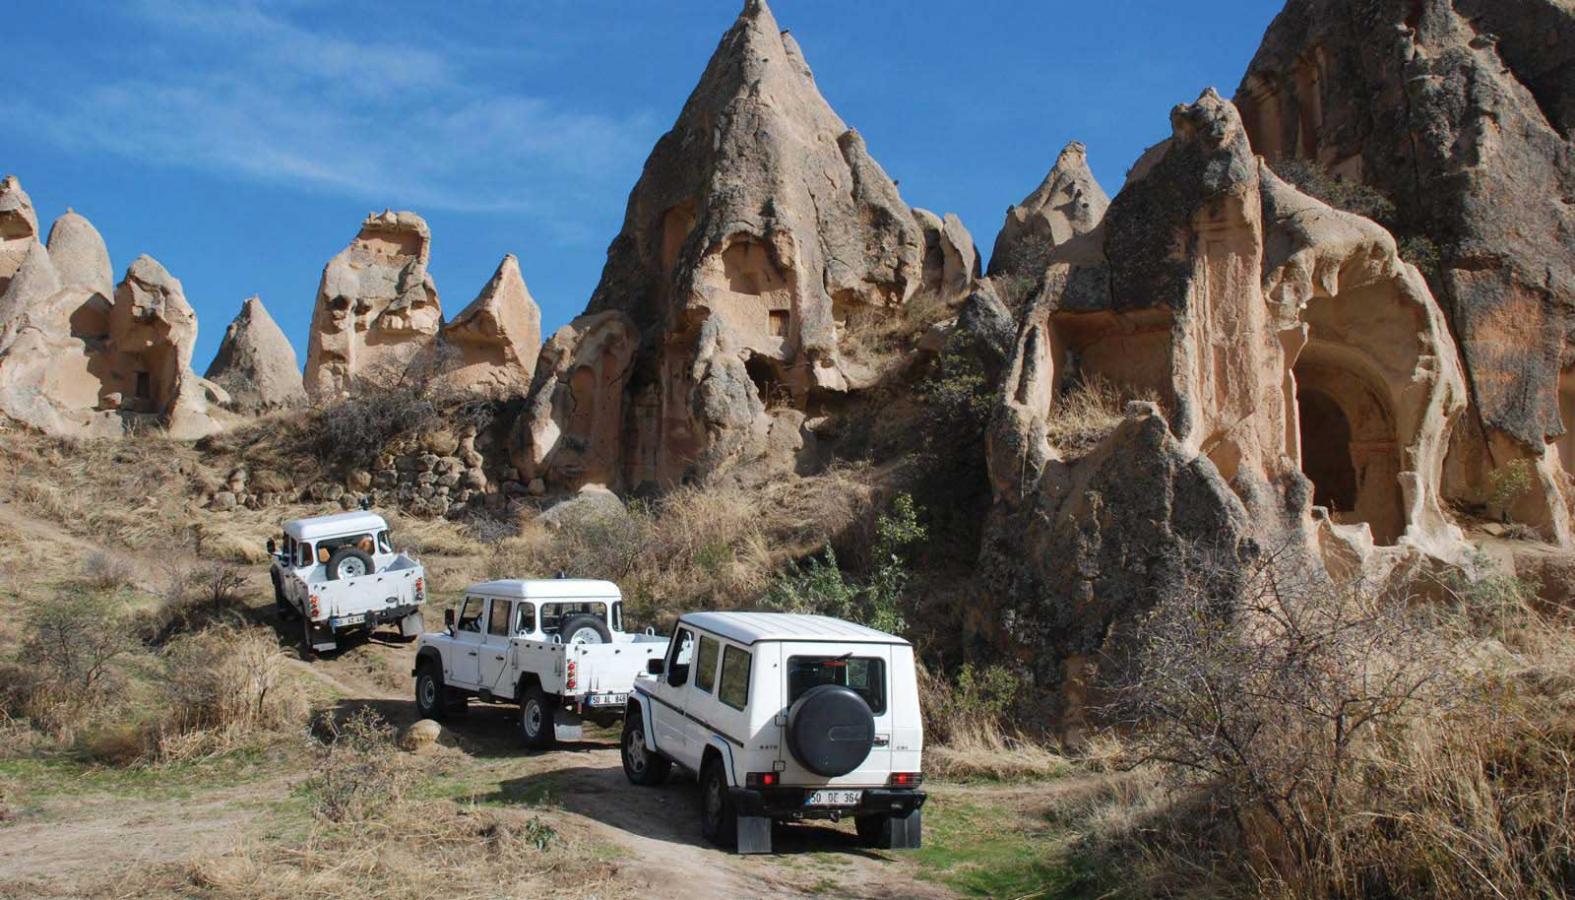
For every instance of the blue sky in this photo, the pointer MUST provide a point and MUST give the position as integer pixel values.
(242, 143)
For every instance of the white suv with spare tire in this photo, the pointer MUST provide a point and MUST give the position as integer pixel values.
(783, 717)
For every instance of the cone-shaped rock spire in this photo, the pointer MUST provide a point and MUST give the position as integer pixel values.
(255, 364)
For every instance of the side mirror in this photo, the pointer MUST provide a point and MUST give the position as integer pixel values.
(655, 666)
(448, 618)
(273, 547)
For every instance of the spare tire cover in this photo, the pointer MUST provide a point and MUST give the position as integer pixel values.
(830, 730)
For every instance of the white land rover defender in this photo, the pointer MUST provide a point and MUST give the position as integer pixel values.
(554, 646)
(340, 573)
(783, 717)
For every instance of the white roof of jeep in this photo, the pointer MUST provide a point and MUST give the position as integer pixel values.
(332, 526)
(547, 589)
(751, 627)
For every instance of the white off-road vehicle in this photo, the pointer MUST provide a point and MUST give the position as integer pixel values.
(783, 717)
(554, 646)
(340, 573)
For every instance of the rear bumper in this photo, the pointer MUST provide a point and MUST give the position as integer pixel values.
(788, 803)
(371, 618)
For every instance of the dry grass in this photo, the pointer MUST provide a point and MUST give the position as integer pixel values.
(223, 688)
(984, 752)
(1085, 413)
(421, 850)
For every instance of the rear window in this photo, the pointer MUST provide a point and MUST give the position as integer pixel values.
(866, 675)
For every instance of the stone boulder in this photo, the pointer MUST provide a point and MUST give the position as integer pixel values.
(1296, 361)
(255, 364)
(759, 242)
(377, 310)
(1461, 113)
(492, 345)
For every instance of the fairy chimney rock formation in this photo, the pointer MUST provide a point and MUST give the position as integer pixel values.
(760, 236)
(1302, 386)
(1069, 202)
(255, 364)
(377, 309)
(1461, 113)
(26, 275)
(492, 345)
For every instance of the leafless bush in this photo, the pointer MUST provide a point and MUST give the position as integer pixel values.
(352, 432)
(106, 572)
(359, 773)
(222, 686)
(195, 597)
(1273, 708)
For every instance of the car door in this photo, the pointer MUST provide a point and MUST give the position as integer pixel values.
(469, 628)
(668, 724)
(494, 658)
(700, 698)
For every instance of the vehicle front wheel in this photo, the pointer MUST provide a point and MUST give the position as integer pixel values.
(641, 764)
(431, 694)
(536, 719)
(718, 818)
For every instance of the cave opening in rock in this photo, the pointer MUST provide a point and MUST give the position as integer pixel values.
(769, 380)
(1348, 446)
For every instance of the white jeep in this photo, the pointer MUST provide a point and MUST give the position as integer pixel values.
(554, 646)
(783, 717)
(340, 573)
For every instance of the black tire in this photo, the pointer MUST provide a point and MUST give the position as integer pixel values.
(578, 623)
(431, 693)
(280, 601)
(830, 730)
(718, 818)
(641, 764)
(536, 719)
(349, 559)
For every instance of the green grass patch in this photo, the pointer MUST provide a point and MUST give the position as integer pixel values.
(992, 851)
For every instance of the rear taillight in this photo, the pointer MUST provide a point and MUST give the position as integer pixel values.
(421, 590)
(905, 779)
(570, 682)
(762, 779)
(316, 611)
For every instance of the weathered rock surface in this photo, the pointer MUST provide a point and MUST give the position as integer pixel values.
(255, 364)
(492, 345)
(1460, 111)
(1296, 361)
(79, 255)
(1069, 202)
(760, 236)
(152, 332)
(26, 275)
(377, 310)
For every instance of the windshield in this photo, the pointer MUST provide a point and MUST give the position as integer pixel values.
(866, 675)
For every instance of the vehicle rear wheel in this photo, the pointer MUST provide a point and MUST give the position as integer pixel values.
(585, 630)
(349, 562)
(641, 764)
(536, 719)
(718, 818)
(431, 693)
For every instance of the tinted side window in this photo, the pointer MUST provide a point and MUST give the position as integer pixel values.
(678, 657)
(705, 663)
(470, 615)
(527, 619)
(734, 689)
(866, 675)
(498, 620)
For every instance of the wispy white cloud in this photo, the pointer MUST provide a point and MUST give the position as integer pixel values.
(249, 90)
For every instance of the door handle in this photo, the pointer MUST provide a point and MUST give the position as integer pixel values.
(471, 653)
(498, 658)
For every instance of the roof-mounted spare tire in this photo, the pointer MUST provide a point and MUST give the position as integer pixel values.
(830, 730)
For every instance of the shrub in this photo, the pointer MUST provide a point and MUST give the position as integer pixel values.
(72, 639)
(1087, 411)
(359, 773)
(223, 686)
(195, 597)
(351, 433)
(106, 572)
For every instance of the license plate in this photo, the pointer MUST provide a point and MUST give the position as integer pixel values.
(835, 798)
(609, 699)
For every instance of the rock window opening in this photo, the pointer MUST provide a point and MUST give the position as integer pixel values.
(778, 322)
(144, 388)
(767, 375)
(1349, 449)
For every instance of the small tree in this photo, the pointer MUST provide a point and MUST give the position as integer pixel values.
(73, 639)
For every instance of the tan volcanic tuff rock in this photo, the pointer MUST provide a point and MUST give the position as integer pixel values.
(255, 364)
(1069, 202)
(1461, 112)
(78, 253)
(759, 235)
(377, 309)
(26, 275)
(1296, 361)
(492, 345)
